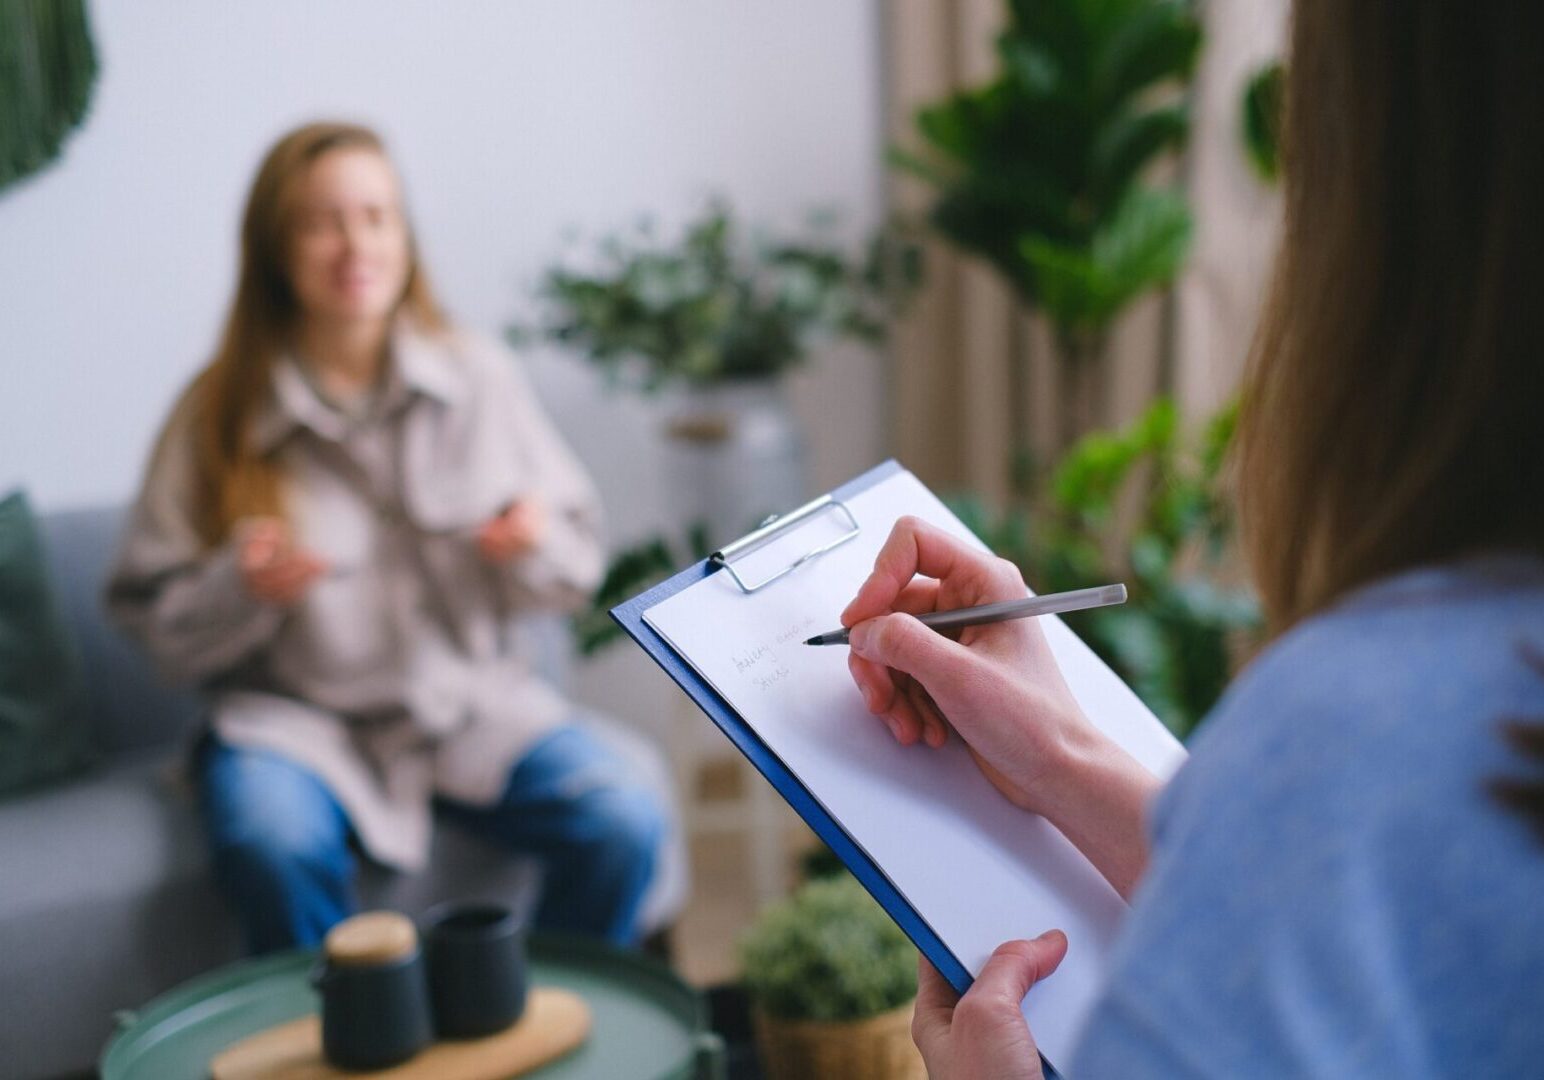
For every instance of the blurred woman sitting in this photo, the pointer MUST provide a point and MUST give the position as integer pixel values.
(339, 519)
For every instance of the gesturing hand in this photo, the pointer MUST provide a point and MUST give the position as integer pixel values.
(273, 568)
(983, 1036)
(514, 532)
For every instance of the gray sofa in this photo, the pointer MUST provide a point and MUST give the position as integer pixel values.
(105, 898)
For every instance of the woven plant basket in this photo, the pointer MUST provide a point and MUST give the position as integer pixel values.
(875, 1048)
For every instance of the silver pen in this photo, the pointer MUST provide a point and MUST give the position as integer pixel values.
(1052, 604)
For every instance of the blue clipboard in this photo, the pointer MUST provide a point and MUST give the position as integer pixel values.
(630, 616)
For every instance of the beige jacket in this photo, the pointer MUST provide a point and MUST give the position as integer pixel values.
(395, 677)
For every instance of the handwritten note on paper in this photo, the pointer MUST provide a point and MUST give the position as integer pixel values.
(977, 869)
(765, 664)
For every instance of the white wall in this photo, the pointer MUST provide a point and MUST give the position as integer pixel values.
(513, 122)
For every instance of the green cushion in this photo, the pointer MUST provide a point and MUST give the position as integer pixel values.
(43, 732)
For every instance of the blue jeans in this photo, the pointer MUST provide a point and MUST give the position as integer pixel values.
(283, 847)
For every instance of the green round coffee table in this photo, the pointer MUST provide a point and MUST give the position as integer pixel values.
(648, 1024)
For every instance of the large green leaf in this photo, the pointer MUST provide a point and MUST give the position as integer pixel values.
(1151, 43)
(1262, 119)
(1034, 67)
(1129, 143)
(962, 124)
(1039, 170)
(987, 215)
(1089, 477)
(1063, 26)
(1142, 246)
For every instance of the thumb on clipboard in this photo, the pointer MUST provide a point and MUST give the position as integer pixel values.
(984, 1033)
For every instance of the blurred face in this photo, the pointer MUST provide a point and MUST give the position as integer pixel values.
(349, 257)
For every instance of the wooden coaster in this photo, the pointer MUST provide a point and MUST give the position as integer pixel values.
(555, 1022)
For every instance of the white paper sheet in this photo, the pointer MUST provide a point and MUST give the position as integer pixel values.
(977, 869)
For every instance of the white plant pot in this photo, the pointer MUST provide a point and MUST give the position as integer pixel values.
(734, 454)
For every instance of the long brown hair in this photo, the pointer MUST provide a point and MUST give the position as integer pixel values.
(1392, 414)
(234, 480)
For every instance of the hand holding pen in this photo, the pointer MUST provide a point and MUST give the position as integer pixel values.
(997, 686)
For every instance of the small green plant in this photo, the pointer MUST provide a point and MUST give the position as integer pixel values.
(1176, 639)
(718, 306)
(829, 952)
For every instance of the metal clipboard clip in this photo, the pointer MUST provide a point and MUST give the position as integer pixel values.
(772, 528)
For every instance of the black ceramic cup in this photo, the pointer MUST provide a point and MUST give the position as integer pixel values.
(477, 972)
(374, 1015)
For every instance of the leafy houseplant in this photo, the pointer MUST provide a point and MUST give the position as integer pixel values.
(48, 65)
(717, 315)
(832, 980)
(1040, 171)
(717, 307)
(1176, 640)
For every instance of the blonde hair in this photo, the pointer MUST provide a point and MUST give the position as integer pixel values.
(233, 479)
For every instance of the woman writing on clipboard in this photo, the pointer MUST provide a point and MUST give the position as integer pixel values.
(339, 519)
(1346, 877)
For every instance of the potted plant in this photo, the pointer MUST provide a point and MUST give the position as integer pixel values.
(832, 981)
(716, 318)
(1043, 171)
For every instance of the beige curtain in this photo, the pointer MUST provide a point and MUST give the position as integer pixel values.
(954, 398)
